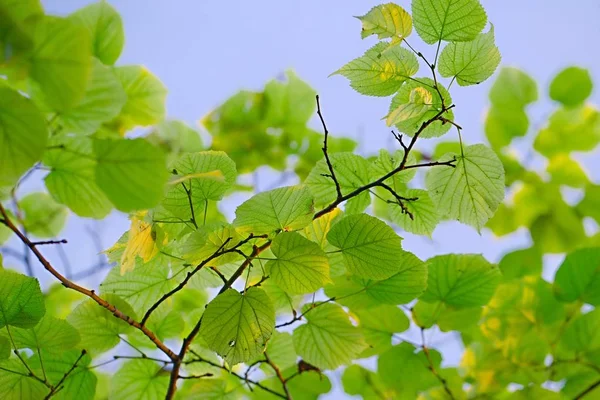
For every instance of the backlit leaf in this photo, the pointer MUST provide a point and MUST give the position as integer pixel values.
(450, 20)
(386, 21)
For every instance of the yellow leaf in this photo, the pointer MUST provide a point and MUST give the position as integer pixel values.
(141, 243)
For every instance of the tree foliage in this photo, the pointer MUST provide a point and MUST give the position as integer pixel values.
(307, 278)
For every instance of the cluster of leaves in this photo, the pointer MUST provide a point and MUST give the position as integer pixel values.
(303, 280)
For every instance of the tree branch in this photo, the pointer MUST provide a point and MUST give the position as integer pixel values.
(279, 376)
(432, 367)
(588, 390)
(87, 292)
(56, 388)
(338, 189)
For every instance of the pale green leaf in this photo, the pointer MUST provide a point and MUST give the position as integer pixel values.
(206, 175)
(371, 249)
(386, 21)
(105, 27)
(21, 300)
(564, 170)
(582, 335)
(420, 100)
(412, 125)
(60, 61)
(301, 266)
(280, 349)
(139, 380)
(461, 280)
(578, 277)
(98, 327)
(588, 206)
(44, 217)
(328, 339)
(379, 324)
(571, 86)
(387, 162)
(146, 96)
(470, 192)
(283, 209)
(503, 123)
(450, 20)
(237, 326)
(132, 173)
(358, 380)
(401, 288)
(50, 334)
(141, 287)
(176, 137)
(470, 62)
(103, 100)
(520, 263)
(401, 367)
(351, 171)
(513, 88)
(23, 135)
(80, 383)
(424, 213)
(72, 179)
(207, 240)
(381, 70)
(290, 103)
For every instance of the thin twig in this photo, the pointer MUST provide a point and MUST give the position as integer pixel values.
(338, 189)
(450, 163)
(588, 390)
(58, 386)
(431, 366)
(43, 242)
(279, 376)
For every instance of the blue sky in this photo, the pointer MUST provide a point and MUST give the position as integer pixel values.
(206, 50)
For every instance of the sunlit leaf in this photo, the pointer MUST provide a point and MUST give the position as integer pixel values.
(450, 20)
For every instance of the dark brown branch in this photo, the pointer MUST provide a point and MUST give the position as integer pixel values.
(385, 177)
(279, 376)
(450, 163)
(43, 242)
(188, 193)
(206, 375)
(431, 366)
(338, 189)
(255, 252)
(58, 386)
(87, 292)
(257, 384)
(399, 199)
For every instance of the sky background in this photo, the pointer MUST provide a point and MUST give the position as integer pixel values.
(206, 50)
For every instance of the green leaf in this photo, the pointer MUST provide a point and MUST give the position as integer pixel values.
(44, 217)
(387, 162)
(98, 327)
(564, 170)
(360, 381)
(461, 280)
(569, 129)
(420, 101)
(520, 263)
(588, 206)
(141, 287)
(470, 62)
(72, 179)
(412, 125)
(578, 277)
(403, 369)
(513, 88)
(206, 175)
(571, 86)
(288, 208)
(19, 386)
(23, 135)
(290, 103)
(5, 348)
(328, 339)
(105, 27)
(301, 266)
(582, 335)
(50, 334)
(103, 100)
(146, 96)
(207, 240)
(371, 249)
(237, 326)
(379, 325)
(280, 349)
(139, 380)
(80, 383)
(425, 314)
(351, 171)
(425, 215)
(176, 137)
(381, 70)
(450, 20)
(470, 192)
(132, 173)
(386, 21)
(401, 288)
(60, 61)
(503, 123)
(21, 300)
